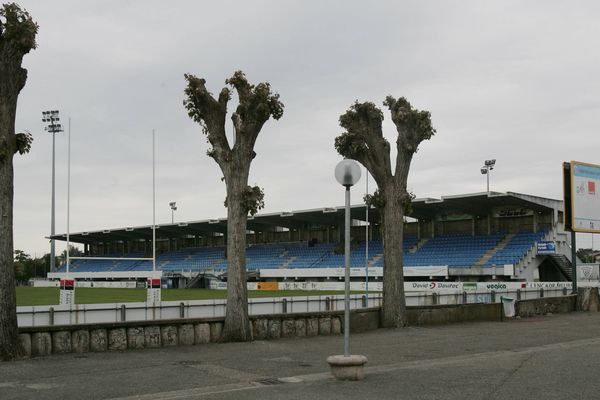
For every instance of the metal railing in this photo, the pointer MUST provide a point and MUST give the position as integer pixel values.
(139, 311)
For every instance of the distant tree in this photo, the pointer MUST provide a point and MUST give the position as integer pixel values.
(73, 252)
(257, 104)
(21, 256)
(17, 38)
(586, 255)
(22, 263)
(363, 141)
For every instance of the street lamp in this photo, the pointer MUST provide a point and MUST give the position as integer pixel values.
(173, 209)
(347, 367)
(488, 165)
(52, 118)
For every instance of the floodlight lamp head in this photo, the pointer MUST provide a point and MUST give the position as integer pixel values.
(484, 171)
(347, 172)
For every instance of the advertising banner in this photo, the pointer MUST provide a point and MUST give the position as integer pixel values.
(585, 197)
(546, 247)
(67, 291)
(588, 273)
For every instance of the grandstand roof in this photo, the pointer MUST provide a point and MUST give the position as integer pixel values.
(477, 204)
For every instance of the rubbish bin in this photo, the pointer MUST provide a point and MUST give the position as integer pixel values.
(508, 305)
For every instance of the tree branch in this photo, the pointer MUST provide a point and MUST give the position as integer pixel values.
(256, 105)
(363, 139)
(210, 114)
(413, 126)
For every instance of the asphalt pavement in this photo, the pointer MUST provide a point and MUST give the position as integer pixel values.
(549, 357)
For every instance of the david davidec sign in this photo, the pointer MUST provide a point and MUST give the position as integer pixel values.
(582, 196)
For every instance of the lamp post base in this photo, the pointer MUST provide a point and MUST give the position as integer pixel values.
(347, 368)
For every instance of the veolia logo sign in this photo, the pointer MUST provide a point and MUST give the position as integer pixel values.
(496, 286)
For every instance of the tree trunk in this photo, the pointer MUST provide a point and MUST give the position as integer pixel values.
(394, 304)
(10, 345)
(237, 323)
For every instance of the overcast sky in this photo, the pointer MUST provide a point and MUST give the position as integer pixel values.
(511, 80)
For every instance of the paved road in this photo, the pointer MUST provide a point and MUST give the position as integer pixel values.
(551, 357)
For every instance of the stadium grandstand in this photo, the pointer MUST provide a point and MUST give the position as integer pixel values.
(471, 237)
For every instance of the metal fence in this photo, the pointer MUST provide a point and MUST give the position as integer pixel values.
(121, 312)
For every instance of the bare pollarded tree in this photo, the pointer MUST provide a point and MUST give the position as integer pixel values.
(363, 141)
(17, 38)
(257, 104)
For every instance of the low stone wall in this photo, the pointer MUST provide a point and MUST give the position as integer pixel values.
(589, 299)
(43, 341)
(447, 314)
(546, 305)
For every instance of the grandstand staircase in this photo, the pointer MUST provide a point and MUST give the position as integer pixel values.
(563, 264)
(419, 244)
(373, 261)
(287, 262)
(490, 253)
(194, 281)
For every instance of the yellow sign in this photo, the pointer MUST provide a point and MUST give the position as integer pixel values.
(267, 286)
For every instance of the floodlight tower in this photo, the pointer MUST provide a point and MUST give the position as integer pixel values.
(173, 205)
(52, 118)
(488, 165)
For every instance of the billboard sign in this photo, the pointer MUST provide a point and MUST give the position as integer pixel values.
(582, 197)
(588, 273)
(546, 247)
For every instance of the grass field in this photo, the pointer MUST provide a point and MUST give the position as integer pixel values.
(30, 296)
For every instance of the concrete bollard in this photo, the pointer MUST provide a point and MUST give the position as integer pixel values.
(325, 326)
(135, 338)
(347, 368)
(288, 328)
(312, 327)
(41, 344)
(25, 339)
(185, 334)
(61, 342)
(80, 341)
(216, 331)
(98, 340)
(117, 339)
(152, 336)
(202, 333)
(336, 326)
(274, 329)
(168, 335)
(261, 328)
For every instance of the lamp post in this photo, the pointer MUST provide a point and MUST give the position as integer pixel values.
(52, 118)
(347, 367)
(173, 205)
(488, 165)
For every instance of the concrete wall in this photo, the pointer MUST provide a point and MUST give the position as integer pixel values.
(43, 341)
(546, 305)
(446, 314)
